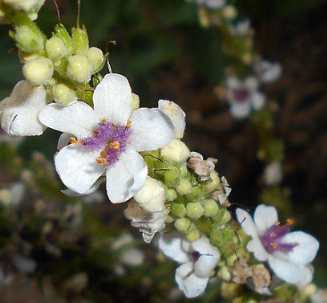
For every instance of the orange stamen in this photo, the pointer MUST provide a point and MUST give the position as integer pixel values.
(74, 141)
(290, 222)
(114, 145)
(104, 121)
(277, 223)
(102, 161)
(272, 235)
(274, 245)
(129, 123)
(104, 153)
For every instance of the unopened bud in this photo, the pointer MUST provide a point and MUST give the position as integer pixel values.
(176, 151)
(195, 193)
(170, 194)
(38, 71)
(213, 184)
(210, 207)
(151, 197)
(24, 5)
(178, 209)
(182, 224)
(55, 48)
(28, 40)
(79, 68)
(63, 94)
(193, 235)
(184, 187)
(96, 57)
(172, 177)
(216, 237)
(135, 102)
(223, 216)
(224, 273)
(194, 210)
(80, 41)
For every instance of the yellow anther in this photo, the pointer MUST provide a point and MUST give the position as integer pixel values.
(272, 235)
(274, 245)
(74, 141)
(290, 222)
(102, 161)
(129, 123)
(114, 145)
(277, 223)
(104, 153)
(104, 121)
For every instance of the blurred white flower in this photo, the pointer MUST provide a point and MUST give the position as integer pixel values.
(211, 4)
(13, 196)
(197, 259)
(267, 71)
(273, 173)
(289, 254)
(243, 96)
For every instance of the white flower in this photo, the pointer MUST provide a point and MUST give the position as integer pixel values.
(241, 29)
(197, 259)
(108, 139)
(288, 253)
(25, 5)
(243, 96)
(268, 72)
(12, 196)
(273, 173)
(176, 114)
(19, 112)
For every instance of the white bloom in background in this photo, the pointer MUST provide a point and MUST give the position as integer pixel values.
(25, 5)
(267, 71)
(13, 196)
(108, 139)
(19, 112)
(151, 197)
(211, 4)
(197, 259)
(243, 96)
(288, 253)
(273, 173)
(176, 114)
(241, 28)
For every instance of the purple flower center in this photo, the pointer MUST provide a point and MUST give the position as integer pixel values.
(272, 239)
(111, 138)
(195, 256)
(241, 94)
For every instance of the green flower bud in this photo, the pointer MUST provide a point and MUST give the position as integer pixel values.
(194, 210)
(79, 68)
(178, 209)
(176, 151)
(28, 40)
(183, 170)
(63, 94)
(213, 184)
(170, 219)
(55, 48)
(38, 71)
(231, 260)
(224, 274)
(63, 35)
(228, 249)
(195, 193)
(135, 102)
(170, 194)
(210, 207)
(80, 41)
(182, 224)
(171, 177)
(184, 187)
(223, 216)
(216, 237)
(193, 235)
(96, 57)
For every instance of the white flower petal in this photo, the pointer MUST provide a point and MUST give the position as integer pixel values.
(191, 284)
(77, 168)
(233, 83)
(305, 251)
(151, 129)
(251, 83)
(176, 114)
(171, 244)
(77, 118)
(112, 99)
(240, 109)
(265, 217)
(255, 246)
(246, 223)
(19, 112)
(258, 100)
(93, 189)
(291, 273)
(64, 140)
(23, 264)
(204, 247)
(126, 177)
